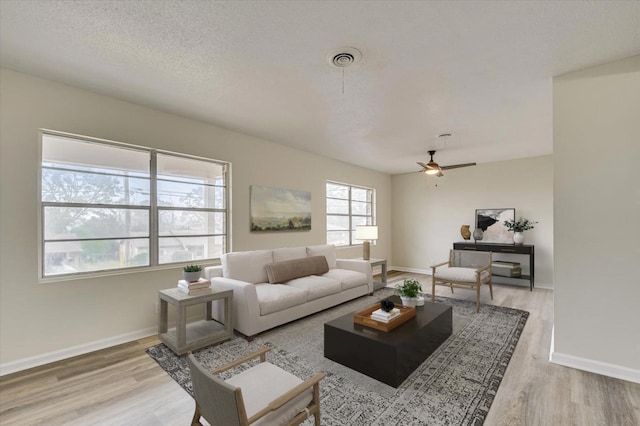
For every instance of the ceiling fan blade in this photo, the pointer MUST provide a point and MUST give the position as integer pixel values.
(439, 174)
(457, 166)
(424, 166)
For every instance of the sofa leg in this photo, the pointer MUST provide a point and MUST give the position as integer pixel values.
(247, 338)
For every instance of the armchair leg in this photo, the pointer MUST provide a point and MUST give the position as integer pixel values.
(196, 417)
(433, 288)
(491, 290)
(316, 401)
(477, 297)
(451, 285)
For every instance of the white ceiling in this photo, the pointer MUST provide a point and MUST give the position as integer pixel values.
(479, 70)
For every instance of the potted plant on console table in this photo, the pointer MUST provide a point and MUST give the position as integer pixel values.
(518, 227)
(409, 291)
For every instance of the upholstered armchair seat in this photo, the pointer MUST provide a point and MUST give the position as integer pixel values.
(464, 269)
(459, 274)
(256, 380)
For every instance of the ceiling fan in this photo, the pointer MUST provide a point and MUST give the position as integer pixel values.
(432, 168)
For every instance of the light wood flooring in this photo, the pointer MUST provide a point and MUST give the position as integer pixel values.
(124, 386)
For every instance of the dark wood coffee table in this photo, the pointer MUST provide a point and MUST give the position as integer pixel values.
(388, 356)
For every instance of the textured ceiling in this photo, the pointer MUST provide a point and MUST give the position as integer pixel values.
(479, 70)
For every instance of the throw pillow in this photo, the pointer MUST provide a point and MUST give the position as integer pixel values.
(279, 272)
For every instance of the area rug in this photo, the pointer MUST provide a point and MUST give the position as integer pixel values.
(454, 386)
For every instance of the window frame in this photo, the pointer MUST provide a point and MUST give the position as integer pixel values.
(371, 219)
(153, 209)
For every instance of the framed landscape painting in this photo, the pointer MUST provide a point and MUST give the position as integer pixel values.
(491, 221)
(277, 209)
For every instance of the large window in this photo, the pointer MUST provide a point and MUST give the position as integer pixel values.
(348, 206)
(108, 206)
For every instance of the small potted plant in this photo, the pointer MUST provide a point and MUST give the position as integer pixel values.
(518, 227)
(409, 292)
(192, 273)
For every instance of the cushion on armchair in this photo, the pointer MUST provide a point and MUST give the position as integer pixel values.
(279, 272)
(459, 274)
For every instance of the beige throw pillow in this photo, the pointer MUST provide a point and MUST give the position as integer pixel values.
(279, 272)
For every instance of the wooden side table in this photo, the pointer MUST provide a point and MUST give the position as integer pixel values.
(186, 337)
(383, 271)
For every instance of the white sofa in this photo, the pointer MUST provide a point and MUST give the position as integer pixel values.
(259, 305)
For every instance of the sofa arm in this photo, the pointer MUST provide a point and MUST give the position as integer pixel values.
(246, 309)
(213, 271)
(357, 265)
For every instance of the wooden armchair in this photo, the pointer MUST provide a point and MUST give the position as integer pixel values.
(263, 394)
(466, 269)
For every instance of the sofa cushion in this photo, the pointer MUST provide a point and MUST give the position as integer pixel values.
(326, 250)
(459, 274)
(276, 297)
(288, 253)
(247, 265)
(315, 286)
(348, 279)
(280, 272)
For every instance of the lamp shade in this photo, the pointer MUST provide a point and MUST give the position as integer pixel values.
(366, 232)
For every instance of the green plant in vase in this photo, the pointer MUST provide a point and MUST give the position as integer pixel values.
(409, 291)
(518, 227)
(192, 273)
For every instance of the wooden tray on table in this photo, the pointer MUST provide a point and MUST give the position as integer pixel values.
(363, 317)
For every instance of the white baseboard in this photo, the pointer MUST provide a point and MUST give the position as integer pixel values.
(603, 368)
(38, 360)
(412, 270)
(544, 286)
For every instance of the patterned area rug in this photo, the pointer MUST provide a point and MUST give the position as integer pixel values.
(454, 386)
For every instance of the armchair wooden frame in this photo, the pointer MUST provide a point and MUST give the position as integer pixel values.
(476, 283)
(312, 382)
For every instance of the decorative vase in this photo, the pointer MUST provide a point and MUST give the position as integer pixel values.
(518, 238)
(465, 232)
(478, 234)
(409, 301)
(191, 277)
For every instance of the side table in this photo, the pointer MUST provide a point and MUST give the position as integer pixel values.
(377, 285)
(186, 337)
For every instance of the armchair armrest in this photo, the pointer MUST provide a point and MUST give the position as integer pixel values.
(484, 268)
(312, 381)
(439, 264)
(433, 267)
(261, 353)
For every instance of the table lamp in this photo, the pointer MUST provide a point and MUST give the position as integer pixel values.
(366, 233)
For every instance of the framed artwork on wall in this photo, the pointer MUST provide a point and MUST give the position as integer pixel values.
(278, 209)
(491, 221)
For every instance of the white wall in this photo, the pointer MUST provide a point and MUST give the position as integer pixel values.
(596, 216)
(428, 212)
(40, 322)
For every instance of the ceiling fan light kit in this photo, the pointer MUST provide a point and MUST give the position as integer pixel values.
(434, 169)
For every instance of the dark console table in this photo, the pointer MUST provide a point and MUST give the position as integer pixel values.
(525, 249)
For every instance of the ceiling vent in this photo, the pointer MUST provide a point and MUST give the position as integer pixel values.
(343, 57)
